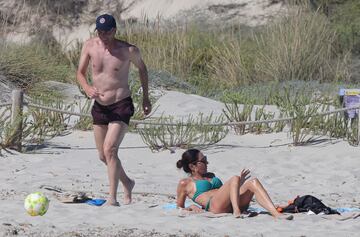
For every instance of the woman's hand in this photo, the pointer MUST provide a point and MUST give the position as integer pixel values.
(195, 209)
(245, 175)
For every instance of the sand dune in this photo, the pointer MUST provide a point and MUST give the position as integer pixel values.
(249, 12)
(77, 18)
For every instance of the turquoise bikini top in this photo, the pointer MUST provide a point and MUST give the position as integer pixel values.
(203, 186)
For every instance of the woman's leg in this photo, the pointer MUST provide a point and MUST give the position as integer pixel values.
(251, 187)
(234, 195)
(227, 198)
(245, 199)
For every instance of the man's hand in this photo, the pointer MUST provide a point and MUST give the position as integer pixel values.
(91, 92)
(146, 106)
(245, 175)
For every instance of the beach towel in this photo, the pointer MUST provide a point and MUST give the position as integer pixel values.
(95, 202)
(342, 210)
(183, 213)
(343, 217)
(171, 208)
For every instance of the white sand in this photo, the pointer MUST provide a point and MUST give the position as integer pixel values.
(180, 105)
(249, 12)
(329, 170)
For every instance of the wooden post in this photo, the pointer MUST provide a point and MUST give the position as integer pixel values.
(16, 118)
(358, 135)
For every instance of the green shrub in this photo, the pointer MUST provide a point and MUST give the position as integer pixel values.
(235, 112)
(169, 134)
(299, 46)
(345, 20)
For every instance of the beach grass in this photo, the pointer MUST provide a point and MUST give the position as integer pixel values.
(302, 45)
(298, 46)
(189, 132)
(287, 63)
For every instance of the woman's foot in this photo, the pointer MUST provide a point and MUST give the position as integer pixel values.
(127, 192)
(237, 214)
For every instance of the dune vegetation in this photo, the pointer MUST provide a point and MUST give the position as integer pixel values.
(287, 62)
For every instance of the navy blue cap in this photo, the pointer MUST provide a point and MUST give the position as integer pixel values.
(105, 22)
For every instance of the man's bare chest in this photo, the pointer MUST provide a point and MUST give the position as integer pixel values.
(107, 61)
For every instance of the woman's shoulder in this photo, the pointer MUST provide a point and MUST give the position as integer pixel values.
(185, 181)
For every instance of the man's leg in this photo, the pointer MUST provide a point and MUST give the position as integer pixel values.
(100, 133)
(114, 136)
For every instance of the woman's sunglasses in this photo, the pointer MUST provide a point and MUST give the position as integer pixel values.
(203, 160)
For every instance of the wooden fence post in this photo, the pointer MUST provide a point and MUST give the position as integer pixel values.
(16, 118)
(358, 132)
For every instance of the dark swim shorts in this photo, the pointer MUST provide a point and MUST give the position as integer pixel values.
(119, 111)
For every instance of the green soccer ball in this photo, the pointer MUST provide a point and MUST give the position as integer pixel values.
(36, 204)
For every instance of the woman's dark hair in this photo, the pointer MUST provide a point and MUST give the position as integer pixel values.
(188, 157)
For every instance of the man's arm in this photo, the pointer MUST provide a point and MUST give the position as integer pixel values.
(135, 58)
(81, 72)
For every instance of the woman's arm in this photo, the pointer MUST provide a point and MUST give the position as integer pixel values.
(181, 197)
(181, 194)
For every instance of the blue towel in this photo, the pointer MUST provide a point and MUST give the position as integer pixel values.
(340, 210)
(96, 202)
(347, 209)
(256, 209)
(169, 206)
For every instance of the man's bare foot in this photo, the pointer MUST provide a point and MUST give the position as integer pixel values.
(127, 192)
(112, 203)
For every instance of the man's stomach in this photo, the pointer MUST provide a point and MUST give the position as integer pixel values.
(111, 96)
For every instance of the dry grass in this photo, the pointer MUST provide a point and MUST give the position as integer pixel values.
(298, 47)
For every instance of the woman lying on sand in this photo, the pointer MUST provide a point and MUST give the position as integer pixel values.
(207, 190)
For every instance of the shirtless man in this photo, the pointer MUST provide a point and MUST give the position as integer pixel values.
(110, 61)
